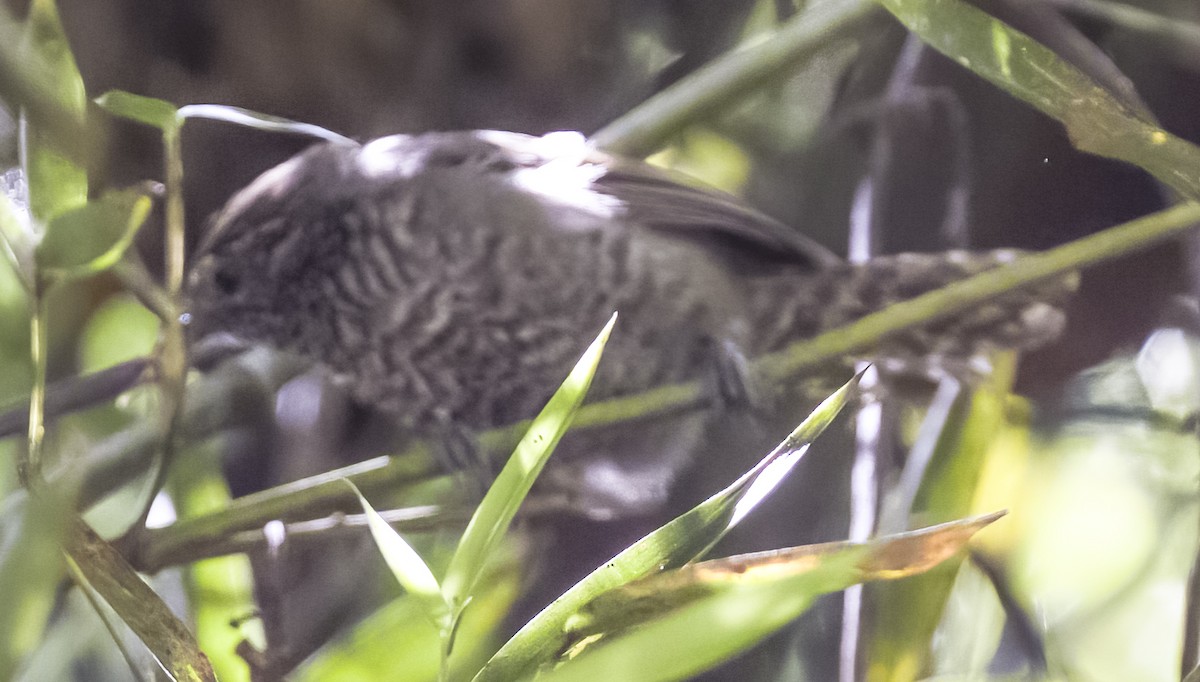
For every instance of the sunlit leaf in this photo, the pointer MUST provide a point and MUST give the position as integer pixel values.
(495, 513)
(674, 544)
(55, 183)
(705, 155)
(94, 236)
(675, 624)
(1096, 121)
(1105, 535)
(153, 112)
(406, 565)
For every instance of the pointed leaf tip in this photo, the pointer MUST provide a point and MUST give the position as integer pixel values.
(406, 565)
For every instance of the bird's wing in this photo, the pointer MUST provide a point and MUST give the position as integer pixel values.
(659, 200)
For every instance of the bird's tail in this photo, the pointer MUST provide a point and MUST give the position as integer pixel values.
(791, 307)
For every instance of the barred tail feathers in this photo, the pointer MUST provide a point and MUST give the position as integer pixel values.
(790, 307)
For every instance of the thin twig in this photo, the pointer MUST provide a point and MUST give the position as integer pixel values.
(157, 548)
(172, 351)
(141, 284)
(1028, 634)
(29, 463)
(1190, 655)
(75, 393)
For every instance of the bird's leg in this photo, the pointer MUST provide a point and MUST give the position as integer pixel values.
(457, 449)
(731, 383)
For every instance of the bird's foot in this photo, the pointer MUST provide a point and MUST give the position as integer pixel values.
(458, 449)
(731, 383)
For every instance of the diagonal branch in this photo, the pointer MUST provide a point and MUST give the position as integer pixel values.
(325, 494)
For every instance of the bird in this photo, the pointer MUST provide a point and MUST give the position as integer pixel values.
(451, 279)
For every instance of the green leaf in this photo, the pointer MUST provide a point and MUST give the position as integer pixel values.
(220, 590)
(410, 569)
(676, 624)
(94, 236)
(678, 542)
(120, 330)
(907, 614)
(1096, 121)
(44, 34)
(30, 570)
(158, 113)
(55, 183)
(253, 119)
(397, 637)
(495, 513)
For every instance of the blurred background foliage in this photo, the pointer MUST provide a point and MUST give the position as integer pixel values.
(1094, 452)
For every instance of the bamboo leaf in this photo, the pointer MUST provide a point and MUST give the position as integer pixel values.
(673, 625)
(167, 638)
(495, 513)
(406, 565)
(1096, 121)
(682, 540)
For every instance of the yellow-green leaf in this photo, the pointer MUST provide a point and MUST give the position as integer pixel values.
(94, 236)
(1096, 121)
(495, 513)
(55, 183)
(158, 113)
(674, 544)
(406, 565)
(676, 624)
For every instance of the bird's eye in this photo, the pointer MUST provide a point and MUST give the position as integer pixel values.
(227, 281)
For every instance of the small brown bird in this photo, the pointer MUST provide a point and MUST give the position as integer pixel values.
(452, 279)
